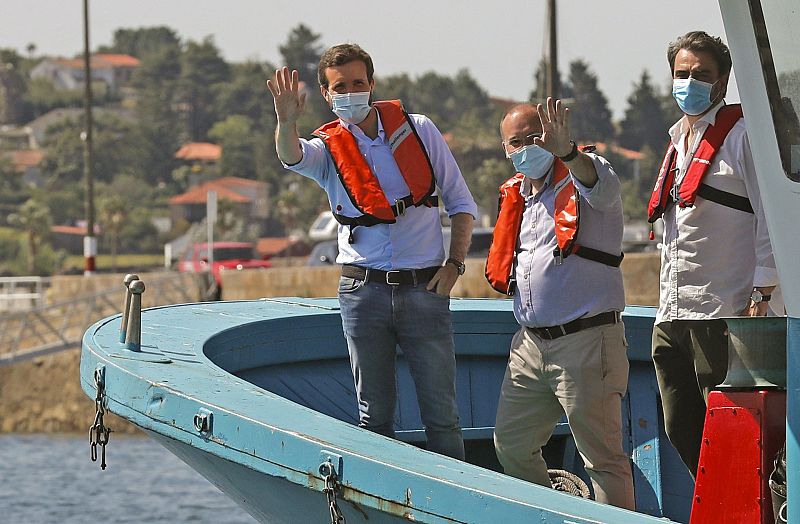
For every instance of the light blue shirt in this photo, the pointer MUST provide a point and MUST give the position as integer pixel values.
(415, 240)
(549, 294)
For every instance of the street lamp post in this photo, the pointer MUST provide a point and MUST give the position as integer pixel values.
(89, 241)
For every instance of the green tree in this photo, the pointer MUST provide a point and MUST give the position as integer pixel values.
(158, 125)
(112, 213)
(202, 67)
(302, 51)
(12, 192)
(486, 183)
(246, 94)
(143, 41)
(539, 93)
(12, 87)
(644, 123)
(590, 117)
(235, 134)
(33, 217)
(637, 187)
(116, 150)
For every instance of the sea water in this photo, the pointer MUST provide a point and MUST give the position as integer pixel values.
(51, 479)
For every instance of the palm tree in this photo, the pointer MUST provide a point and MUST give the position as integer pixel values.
(112, 214)
(34, 218)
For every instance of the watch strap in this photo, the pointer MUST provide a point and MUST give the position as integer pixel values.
(572, 154)
(459, 265)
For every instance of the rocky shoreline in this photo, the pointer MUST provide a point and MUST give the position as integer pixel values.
(43, 395)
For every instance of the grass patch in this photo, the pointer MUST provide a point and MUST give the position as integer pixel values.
(124, 261)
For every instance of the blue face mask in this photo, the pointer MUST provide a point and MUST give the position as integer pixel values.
(532, 161)
(351, 107)
(693, 96)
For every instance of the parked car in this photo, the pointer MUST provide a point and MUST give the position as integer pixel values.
(227, 256)
(325, 253)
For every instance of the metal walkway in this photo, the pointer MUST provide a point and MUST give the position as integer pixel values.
(48, 329)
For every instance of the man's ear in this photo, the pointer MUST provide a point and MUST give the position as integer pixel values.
(723, 85)
(324, 92)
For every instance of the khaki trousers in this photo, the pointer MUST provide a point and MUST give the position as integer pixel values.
(583, 375)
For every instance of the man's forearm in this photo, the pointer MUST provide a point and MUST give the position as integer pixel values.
(287, 143)
(583, 169)
(460, 235)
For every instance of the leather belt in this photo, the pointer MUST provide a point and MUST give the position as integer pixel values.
(397, 277)
(553, 332)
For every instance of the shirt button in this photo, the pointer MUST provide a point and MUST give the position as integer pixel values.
(526, 276)
(529, 304)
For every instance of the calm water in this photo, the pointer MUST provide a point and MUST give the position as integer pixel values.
(45, 478)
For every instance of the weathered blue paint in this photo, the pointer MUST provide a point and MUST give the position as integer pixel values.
(213, 362)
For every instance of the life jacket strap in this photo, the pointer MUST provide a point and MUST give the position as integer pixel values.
(725, 198)
(588, 253)
(401, 204)
(398, 209)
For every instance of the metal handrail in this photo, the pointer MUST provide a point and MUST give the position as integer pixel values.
(47, 329)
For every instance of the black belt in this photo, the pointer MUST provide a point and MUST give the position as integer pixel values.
(609, 317)
(398, 277)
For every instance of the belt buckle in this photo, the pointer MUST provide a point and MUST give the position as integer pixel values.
(400, 204)
(388, 278)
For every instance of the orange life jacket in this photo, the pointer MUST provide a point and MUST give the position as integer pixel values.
(360, 182)
(503, 251)
(665, 192)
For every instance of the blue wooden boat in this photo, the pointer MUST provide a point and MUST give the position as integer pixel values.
(257, 396)
(272, 379)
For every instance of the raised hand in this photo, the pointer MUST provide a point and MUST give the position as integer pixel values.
(289, 102)
(555, 127)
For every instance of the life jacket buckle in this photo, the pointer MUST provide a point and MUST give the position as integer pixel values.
(558, 257)
(400, 206)
(674, 193)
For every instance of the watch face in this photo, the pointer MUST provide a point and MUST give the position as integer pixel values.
(756, 296)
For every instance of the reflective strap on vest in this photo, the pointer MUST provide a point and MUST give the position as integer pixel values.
(665, 192)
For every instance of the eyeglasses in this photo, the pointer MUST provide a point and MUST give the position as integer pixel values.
(516, 143)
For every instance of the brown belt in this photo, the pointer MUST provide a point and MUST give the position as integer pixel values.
(397, 277)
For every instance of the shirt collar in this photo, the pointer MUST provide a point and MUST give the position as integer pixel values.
(527, 186)
(681, 127)
(357, 131)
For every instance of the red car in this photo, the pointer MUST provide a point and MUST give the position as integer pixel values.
(228, 256)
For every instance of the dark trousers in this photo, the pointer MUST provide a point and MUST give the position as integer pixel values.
(691, 358)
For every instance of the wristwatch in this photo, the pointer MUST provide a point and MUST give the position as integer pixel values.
(459, 265)
(572, 153)
(758, 296)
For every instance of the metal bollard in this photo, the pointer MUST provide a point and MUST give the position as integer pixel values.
(133, 333)
(130, 277)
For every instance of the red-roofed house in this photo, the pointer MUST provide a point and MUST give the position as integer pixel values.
(199, 152)
(114, 70)
(249, 196)
(26, 161)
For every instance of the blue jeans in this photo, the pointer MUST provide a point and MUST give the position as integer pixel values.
(376, 318)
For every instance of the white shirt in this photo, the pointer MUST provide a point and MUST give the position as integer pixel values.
(551, 295)
(415, 240)
(712, 255)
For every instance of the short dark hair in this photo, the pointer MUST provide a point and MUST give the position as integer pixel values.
(342, 54)
(701, 41)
